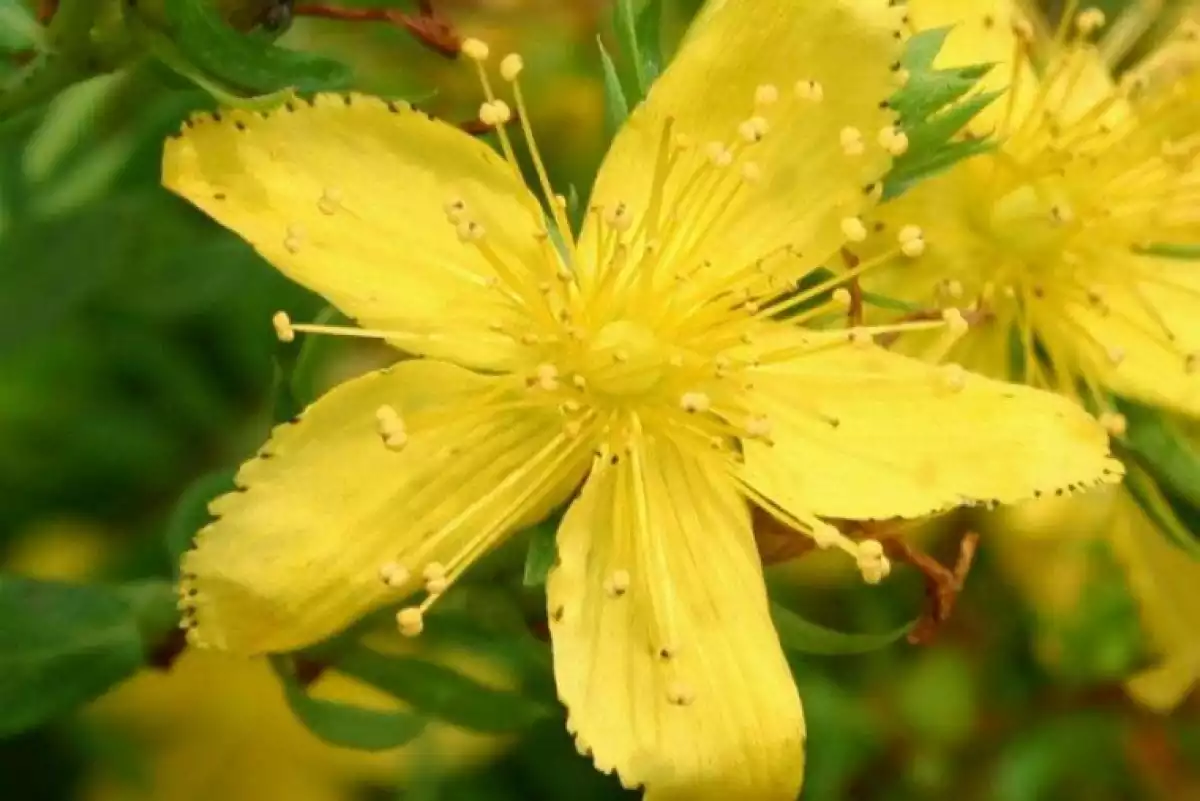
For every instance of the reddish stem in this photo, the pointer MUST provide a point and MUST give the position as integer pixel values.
(427, 27)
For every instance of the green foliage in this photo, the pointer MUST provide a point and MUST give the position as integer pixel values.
(932, 111)
(806, 637)
(347, 725)
(62, 645)
(542, 551)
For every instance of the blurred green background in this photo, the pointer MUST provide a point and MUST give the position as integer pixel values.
(137, 355)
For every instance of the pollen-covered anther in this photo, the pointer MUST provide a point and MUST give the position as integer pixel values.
(718, 154)
(751, 172)
(494, 113)
(953, 377)
(411, 621)
(469, 231)
(1089, 21)
(842, 297)
(955, 321)
(893, 140)
(852, 141)
(1115, 354)
(912, 241)
(759, 427)
(391, 428)
(546, 377)
(901, 77)
(283, 327)
(854, 229)
(693, 402)
(680, 694)
(1114, 423)
(394, 574)
(872, 562)
(618, 217)
(436, 586)
(766, 94)
(475, 49)
(617, 584)
(330, 200)
(1023, 30)
(511, 66)
(809, 90)
(952, 288)
(754, 129)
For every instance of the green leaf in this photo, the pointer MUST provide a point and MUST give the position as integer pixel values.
(191, 510)
(1172, 250)
(648, 29)
(1161, 511)
(542, 553)
(798, 634)
(248, 62)
(616, 107)
(61, 645)
(19, 31)
(346, 725)
(1162, 449)
(439, 692)
(625, 23)
(932, 112)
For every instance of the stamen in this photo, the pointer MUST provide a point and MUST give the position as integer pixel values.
(852, 141)
(394, 574)
(475, 49)
(411, 621)
(695, 402)
(854, 229)
(1115, 424)
(872, 562)
(284, 331)
(511, 66)
(766, 95)
(680, 694)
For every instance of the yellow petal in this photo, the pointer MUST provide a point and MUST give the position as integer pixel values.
(1164, 579)
(348, 196)
(1127, 343)
(800, 184)
(298, 553)
(665, 654)
(862, 433)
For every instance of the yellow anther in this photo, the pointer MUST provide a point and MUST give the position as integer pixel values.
(766, 95)
(411, 621)
(469, 231)
(894, 141)
(952, 287)
(718, 154)
(475, 49)
(283, 326)
(433, 570)
(758, 427)
(853, 229)
(751, 172)
(852, 141)
(1115, 424)
(494, 113)
(1023, 31)
(1090, 20)
(617, 584)
(394, 574)
(955, 321)
(436, 586)
(753, 129)
(547, 377)
(841, 296)
(1116, 355)
(954, 377)
(910, 232)
(872, 562)
(619, 217)
(455, 208)
(511, 66)
(913, 248)
(695, 402)
(810, 90)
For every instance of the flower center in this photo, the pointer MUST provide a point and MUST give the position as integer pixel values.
(1036, 220)
(624, 359)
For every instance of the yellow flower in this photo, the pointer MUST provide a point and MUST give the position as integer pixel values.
(1043, 243)
(645, 361)
(1046, 238)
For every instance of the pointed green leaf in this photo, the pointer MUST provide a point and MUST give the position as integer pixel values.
(346, 725)
(542, 553)
(1162, 450)
(251, 63)
(439, 692)
(798, 634)
(61, 645)
(616, 107)
(649, 42)
(625, 24)
(1172, 250)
